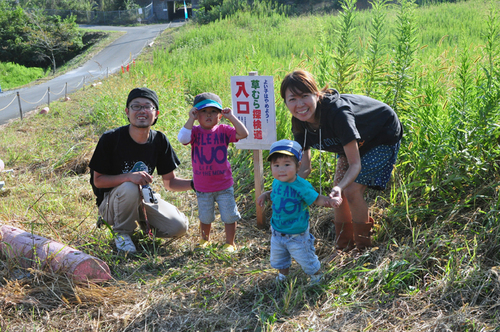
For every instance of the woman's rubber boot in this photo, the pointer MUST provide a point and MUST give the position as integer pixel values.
(344, 236)
(362, 233)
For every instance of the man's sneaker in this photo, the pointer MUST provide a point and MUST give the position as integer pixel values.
(124, 243)
(280, 277)
(315, 279)
(99, 222)
(202, 244)
(229, 248)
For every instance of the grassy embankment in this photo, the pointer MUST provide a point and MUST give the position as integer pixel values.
(437, 261)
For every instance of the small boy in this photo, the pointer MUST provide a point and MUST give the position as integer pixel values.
(212, 175)
(291, 196)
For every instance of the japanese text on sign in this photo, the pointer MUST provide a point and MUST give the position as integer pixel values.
(253, 104)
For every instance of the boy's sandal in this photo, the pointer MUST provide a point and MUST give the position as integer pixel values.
(202, 244)
(229, 248)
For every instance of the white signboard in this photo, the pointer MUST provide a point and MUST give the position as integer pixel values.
(253, 104)
(140, 11)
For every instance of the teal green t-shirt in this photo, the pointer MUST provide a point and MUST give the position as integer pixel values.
(291, 205)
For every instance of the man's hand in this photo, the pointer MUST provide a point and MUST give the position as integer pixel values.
(141, 178)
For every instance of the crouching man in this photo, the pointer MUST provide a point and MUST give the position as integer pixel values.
(121, 170)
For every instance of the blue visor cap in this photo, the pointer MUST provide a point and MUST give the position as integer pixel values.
(287, 147)
(207, 99)
(208, 103)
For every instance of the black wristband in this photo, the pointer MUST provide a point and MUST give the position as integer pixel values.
(192, 185)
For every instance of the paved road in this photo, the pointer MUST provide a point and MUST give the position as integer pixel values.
(109, 60)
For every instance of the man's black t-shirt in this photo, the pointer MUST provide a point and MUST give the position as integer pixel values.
(346, 117)
(117, 153)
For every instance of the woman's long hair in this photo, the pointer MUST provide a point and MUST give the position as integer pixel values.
(301, 81)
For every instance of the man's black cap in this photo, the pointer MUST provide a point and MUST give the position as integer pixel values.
(144, 93)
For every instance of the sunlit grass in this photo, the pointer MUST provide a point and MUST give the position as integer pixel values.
(13, 75)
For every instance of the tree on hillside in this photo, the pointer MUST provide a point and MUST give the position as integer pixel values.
(13, 35)
(125, 4)
(52, 36)
(35, 40)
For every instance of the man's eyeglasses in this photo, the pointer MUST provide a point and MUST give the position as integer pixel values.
(137, 107)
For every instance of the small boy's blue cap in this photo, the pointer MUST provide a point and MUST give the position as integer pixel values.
(287, 147)
(207, 99)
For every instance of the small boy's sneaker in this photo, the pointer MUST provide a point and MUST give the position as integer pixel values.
(203, 244)
(229, 248)
(315, 279)
(124, 243)
(280, 277)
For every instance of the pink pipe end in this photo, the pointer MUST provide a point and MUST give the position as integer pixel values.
(28, 249)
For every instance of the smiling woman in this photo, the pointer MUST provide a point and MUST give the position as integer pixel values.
(364, 132)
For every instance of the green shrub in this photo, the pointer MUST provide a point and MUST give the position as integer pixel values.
(13, 75)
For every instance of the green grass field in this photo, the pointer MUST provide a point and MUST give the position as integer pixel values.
(437, 261)
(13, 75)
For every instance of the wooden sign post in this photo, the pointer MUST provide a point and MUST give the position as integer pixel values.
(253, 104)
(258, 176)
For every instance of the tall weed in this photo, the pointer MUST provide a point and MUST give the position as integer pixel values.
(344, 57)
(399, 77)
(374, 65)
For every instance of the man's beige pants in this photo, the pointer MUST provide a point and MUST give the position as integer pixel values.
(121, 208)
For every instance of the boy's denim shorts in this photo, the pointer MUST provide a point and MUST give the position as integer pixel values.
(300, 247)
(227, 206)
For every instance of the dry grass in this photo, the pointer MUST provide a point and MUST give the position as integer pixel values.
(171, 287)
